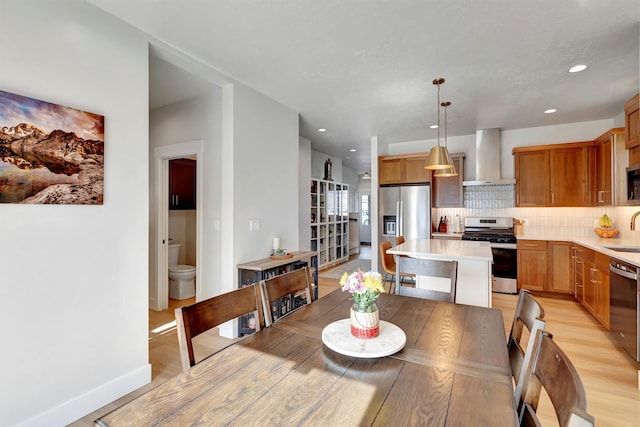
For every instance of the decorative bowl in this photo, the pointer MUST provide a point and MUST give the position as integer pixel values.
(606, 232)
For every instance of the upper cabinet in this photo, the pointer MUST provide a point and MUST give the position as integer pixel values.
(403, 169)
(447, 190)
(556, 175)
(182, 184)
(532, 177)
(631, 122)
(632, 129)
(609, 164)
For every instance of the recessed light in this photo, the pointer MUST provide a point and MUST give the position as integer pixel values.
(550, 111)
(577, 68)
(353, 150)
(322, 130)
(434, 126)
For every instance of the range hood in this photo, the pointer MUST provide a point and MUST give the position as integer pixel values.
(488, 159)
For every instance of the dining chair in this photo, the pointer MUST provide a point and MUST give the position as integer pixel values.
(432, 268)
(529, 314)
(283, 294)
(399, 240)
(202, 316)
(388, 265)
(552, 371)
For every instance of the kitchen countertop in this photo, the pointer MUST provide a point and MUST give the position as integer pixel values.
(445, 249)
(597, 244)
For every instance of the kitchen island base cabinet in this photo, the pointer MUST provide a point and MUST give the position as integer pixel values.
(474, 266)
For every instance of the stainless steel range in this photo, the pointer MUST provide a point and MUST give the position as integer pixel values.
(500, 234)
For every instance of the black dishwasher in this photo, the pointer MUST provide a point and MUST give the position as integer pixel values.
(625, 297)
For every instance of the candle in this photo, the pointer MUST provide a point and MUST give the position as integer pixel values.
(276, 243)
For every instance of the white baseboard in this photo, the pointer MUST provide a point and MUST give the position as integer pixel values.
(92, 400)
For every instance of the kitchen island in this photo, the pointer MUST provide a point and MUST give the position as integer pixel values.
(474, 265)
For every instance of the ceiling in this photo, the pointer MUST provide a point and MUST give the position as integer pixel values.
(365, 68)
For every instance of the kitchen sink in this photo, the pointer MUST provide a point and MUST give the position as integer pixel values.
(618, 248)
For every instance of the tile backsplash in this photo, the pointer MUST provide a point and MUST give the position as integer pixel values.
(499, 200)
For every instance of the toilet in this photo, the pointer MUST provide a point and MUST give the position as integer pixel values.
(181, 277)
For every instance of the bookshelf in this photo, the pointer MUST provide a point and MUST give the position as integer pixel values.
(329, 221)
(255, 271)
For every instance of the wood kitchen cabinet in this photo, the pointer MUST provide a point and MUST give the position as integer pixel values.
(632, 122)
(532, 264)
(609, 189)
(559, 268)
(591, 282)
(182, 184)
(545, 266)
(532, 178)
(447, 190)
(557, 175)
(403, 169)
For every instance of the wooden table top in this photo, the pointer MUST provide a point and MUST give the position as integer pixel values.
(453, 371)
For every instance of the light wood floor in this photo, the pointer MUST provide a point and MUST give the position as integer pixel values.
(608, 374)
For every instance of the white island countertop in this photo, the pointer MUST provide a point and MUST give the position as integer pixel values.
(444, 249)
(474, 265)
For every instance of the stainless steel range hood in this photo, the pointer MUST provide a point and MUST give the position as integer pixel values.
(488, 159)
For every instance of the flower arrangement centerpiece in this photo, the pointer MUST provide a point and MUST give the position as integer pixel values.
(365, 288)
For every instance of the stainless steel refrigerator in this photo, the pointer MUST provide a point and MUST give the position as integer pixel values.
(405, 211)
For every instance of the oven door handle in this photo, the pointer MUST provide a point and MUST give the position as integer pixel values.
(504, 245)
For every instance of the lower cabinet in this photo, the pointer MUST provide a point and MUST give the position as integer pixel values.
(559, 277)
(591, 282)
(532, 264)
(545, 266)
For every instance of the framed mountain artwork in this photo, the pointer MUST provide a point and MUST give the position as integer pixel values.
(49, 154)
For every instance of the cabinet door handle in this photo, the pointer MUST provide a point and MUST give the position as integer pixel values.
(553, 198)
(177, 199)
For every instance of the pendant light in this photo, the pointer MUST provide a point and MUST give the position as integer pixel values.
(439, 156)
(451, 170)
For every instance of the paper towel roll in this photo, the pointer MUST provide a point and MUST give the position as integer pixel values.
(276, 243)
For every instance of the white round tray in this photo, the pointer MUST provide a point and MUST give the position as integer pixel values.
(337, 336)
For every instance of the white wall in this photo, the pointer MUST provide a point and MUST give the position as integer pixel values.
(192, 120)
(265, 176)
(74, 316)
(304, 193)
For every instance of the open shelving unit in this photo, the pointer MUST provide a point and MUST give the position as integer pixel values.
(329, 221)
(266, 268)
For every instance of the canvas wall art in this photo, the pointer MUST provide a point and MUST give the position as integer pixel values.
(49, 154)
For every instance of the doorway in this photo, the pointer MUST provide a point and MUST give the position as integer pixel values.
(365, 224)
(159, 297)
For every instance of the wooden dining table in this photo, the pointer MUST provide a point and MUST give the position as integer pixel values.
(452, 371)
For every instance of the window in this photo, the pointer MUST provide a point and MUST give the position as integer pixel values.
(364, 209)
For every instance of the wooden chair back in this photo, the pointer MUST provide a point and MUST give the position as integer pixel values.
(388, 262)
(433, 268)
(202, 316)
(552, 370)
(399, 240)
(529, 314)
(388, 265)
(286, 287)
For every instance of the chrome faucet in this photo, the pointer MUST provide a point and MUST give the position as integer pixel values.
(633, 220)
